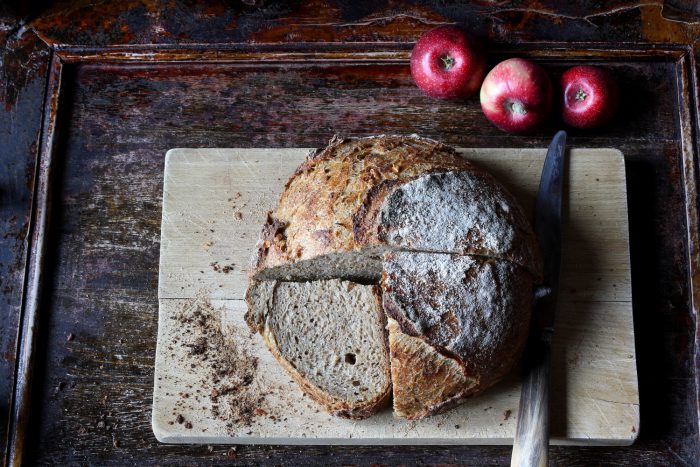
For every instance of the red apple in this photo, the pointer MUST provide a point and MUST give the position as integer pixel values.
(516, 95)
(591, 96)
(447, 63)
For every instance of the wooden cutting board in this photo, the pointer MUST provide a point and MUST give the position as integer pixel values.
(217, 383)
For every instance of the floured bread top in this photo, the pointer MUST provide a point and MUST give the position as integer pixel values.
(330, 203)
(473, 307)
(458, 212)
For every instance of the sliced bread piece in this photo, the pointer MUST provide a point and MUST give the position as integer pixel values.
(470, 309)
(330, 336)
(464, 212)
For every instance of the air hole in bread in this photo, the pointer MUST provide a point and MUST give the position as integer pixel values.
(350, 358)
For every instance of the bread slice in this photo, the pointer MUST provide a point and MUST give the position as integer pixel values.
(330, 336)
(363, 266)
(472, 312)
(465, 212)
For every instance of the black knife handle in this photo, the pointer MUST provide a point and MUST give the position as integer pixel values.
(531, 444)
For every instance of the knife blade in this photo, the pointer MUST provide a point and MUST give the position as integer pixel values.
(531, 441)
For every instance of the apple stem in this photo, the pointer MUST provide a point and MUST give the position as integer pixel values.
(447, 61)
(518, 108)
(581, 95)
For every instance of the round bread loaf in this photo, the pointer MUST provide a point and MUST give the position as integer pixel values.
(453, 251)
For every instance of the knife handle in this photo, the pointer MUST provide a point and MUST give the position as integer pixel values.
(531, 443)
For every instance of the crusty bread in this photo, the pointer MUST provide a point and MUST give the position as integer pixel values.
(330, 336)
(455, 255)
(357, 198)
(424, 381)
(471, 309)
(330, 204)
(465, 212)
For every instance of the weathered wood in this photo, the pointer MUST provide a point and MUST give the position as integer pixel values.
(106, 248)
(164, 22)
(36, 273)
(688, 114)
(101, 300)
(692, 122)
(214, 203)
(22, 76)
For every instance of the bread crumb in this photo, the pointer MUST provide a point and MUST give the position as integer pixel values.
(230, 365)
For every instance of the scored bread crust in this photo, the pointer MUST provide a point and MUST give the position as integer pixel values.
(425, 382)
(471, 309)
(462, 212)
(328, 205)
(337, 201)
(255, 317)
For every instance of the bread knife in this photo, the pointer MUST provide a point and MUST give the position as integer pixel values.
(531, 442)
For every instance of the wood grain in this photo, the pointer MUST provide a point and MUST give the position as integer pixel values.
(214, 204)
(163, 22)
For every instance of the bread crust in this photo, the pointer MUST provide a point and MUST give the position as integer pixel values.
(256, 320)
(425, 382)
(338, 201)
(428, 300)
(462, 212)
(328, 203)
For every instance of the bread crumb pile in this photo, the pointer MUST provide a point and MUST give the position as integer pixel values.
(231, 367)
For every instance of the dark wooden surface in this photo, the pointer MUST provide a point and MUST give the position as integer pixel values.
(292, 74)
